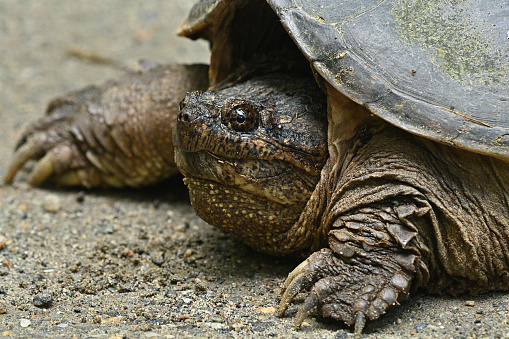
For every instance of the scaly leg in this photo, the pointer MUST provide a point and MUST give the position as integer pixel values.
(369, 266)
(117, 134)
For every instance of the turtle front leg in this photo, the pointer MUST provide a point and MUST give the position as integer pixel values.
(117, 134)
(373, 261)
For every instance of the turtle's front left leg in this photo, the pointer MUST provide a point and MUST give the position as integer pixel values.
(117, 134)
(372, 263)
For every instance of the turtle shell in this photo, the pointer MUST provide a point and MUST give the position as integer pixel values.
(435, 68)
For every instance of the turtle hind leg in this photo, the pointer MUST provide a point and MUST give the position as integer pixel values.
(116, 134)
(365, 271)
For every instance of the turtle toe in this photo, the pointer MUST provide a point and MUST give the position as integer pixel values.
(340, 290)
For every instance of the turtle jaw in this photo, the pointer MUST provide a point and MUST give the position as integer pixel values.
(258, 201)
(260, 223)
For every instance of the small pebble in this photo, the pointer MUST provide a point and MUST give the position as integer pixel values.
(470, 303)
(181, 227)
(76, 277)
(111, 320)
(81, 197)
(125, 288)
(200, 284)
(3, 307)
(341, 335)
(420, 326)
(157, 258)
(189, 252)
(237, 327)
(216, 326)
(266, 310)
(145, 327)
(108, 229)
(52, 203)
(24, 323)
(216, 319)
(43, 300)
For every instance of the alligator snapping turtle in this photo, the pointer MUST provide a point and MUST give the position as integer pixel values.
(404, 186)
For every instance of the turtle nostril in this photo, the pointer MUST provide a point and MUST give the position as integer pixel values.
(184, 117)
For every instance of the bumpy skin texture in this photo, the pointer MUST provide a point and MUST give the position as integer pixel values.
(386, 214)
(117, 134)
(252, 156)
(406, 213)
(397, 214)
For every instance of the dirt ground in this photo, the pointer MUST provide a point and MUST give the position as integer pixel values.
(139, 263)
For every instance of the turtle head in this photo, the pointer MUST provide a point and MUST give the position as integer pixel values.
(252, 154)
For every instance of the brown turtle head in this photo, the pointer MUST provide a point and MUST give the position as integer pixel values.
(252, 155)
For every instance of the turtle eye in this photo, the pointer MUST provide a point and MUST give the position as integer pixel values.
(241, 117)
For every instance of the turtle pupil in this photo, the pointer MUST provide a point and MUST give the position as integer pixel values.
(241, 118)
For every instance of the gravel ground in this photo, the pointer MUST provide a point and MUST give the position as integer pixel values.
(139, 264)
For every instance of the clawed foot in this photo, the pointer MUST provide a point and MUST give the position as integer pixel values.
(116, 134)
(51, 143)
(351, 292)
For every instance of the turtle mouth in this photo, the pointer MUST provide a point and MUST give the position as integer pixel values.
(273, 180)
(200, 129)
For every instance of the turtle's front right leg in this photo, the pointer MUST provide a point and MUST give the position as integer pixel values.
(117, 134)
(371, 264)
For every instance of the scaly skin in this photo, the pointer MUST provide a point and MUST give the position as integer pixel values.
(401, 212)
(386, 214)
(117, 134)
(252, 156)
(405, 214)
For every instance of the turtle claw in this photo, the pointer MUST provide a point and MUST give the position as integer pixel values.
(32, 146)
(51, 144)
(292, 286)
(351, 292)
(22, 155)
(299, 270)
(310, 304)
(42, 170)
(360, 321)
(60, 163)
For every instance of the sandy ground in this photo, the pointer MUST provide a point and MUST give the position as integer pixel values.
(139, 264)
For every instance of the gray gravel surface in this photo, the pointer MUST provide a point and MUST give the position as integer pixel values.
(140, 264)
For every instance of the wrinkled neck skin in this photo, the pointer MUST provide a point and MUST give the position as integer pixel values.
(252, 156)
(345, 120)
